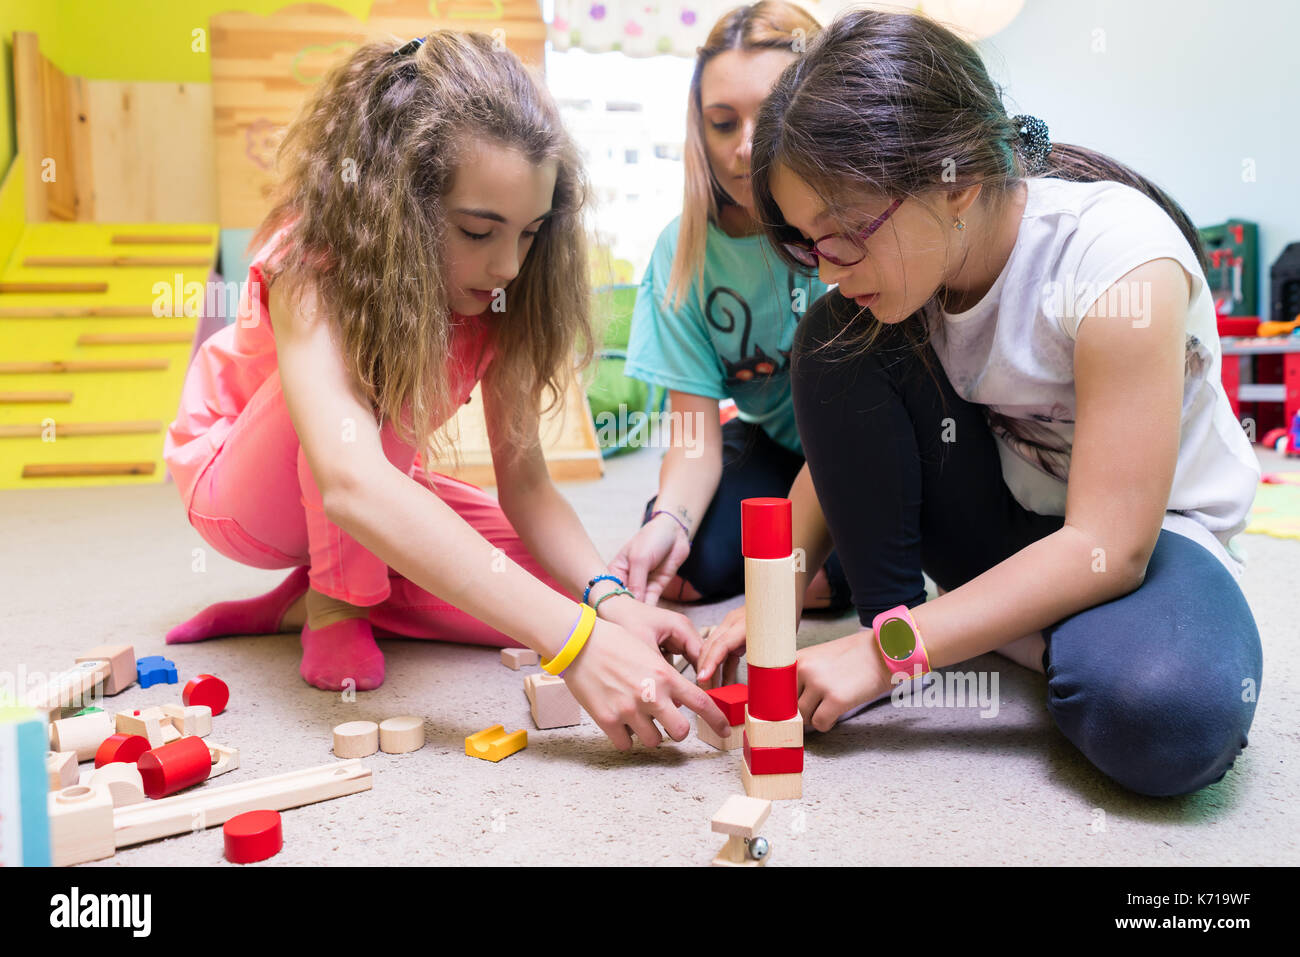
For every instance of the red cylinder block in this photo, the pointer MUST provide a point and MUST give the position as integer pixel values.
(123, 748)
(209, 690)
(773, 692)
(253, 836)
(175, 766)
(765, 528)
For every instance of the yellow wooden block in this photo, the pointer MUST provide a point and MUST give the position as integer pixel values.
(495, 743)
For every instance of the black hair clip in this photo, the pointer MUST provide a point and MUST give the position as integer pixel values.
(409, 47)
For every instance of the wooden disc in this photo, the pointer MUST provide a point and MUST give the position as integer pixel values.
(356, 739)
(401, 734)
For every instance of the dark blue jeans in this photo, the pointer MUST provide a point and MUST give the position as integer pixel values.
(753, 466)
(1157, 688)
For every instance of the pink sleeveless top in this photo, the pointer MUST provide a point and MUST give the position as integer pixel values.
(235, 361)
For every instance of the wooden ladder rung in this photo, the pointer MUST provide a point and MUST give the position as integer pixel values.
(61, 469)
(78, 312)
(115, 261)
(159, 239)
(134, 338)
(16, 287)
(61, 429)
(85, 365)
(35, 396)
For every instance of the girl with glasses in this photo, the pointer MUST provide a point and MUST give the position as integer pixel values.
(1014, 389)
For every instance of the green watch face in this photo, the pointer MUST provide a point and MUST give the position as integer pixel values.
(897, 639)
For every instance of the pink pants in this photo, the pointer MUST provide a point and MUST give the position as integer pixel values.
(257, 503)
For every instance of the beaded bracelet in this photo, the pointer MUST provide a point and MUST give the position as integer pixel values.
(621, 591)
(574, 643)
(664, 511)
(601, 578)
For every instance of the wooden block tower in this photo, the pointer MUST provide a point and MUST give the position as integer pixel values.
(773, 736)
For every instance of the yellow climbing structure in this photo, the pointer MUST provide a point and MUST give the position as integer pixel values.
(90, 379)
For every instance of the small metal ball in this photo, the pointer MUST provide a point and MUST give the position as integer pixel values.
(758, 848)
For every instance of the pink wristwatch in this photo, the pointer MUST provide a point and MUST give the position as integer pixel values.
(899, 641)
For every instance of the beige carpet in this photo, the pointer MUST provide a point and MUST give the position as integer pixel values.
(82, 567)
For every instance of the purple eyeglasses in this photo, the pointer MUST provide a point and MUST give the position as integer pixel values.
(839, 249)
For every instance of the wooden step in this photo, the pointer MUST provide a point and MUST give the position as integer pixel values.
(85, 365)
(27, 430)
(115, 261)
(134, 338)
(35, 396)
(66, 469)
(159, 239)
(79, 312)
(25, 286)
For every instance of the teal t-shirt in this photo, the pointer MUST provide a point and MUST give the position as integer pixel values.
(735, 342)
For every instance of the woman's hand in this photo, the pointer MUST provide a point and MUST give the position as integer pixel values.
(626, 686)
(651, 558)
(838, 675)
(659, 628)
(722, 650)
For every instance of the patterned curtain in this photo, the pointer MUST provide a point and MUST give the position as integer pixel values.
(645, 28)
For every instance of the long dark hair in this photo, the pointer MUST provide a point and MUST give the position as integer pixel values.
(896, 104)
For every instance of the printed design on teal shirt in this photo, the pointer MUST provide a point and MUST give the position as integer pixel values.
(724, 302)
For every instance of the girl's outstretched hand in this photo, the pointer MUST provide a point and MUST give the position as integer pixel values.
(659, 628)
(625, 685)
(838, 675)
(722, 650)
(651, 558)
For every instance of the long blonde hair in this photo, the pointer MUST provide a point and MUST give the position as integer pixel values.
(767, 25)
(373, 243)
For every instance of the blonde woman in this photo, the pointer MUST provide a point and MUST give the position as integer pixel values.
(714, 318)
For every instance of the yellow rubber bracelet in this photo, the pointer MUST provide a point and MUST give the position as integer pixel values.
(577, 639)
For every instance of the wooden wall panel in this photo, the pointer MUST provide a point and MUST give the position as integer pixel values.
(263, 67)
(152, 148)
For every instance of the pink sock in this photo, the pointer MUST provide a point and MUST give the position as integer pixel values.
(343, 651)
(251, 616)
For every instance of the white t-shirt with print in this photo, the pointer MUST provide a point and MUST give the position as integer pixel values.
(1013, 352)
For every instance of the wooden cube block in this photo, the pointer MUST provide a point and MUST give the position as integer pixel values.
(516, 658)
(81, 825)
(734, 739)
(772, 787)
(62, 768)
(741, 815)
(121, 663)
(774, 734)
(193, 719)
(732, 699)
(146, 722)
(551, 702)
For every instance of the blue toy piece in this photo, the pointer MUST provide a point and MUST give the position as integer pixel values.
(154, 670)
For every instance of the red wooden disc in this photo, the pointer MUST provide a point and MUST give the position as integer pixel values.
(209, 690)
(253, 836)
